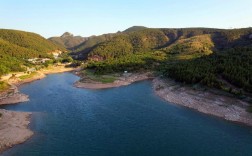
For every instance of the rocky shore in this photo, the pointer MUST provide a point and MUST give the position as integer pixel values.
(12, 96)
(228, 108)
(13, 128)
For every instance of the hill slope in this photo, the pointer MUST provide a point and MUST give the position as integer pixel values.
(212, 57)
(147, 39)
(17, 46)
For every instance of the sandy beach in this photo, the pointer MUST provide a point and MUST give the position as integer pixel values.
(121, 81)
(206, 102)
(13, 128)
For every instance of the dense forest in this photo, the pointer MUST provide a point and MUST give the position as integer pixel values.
(219, 70)
(18, 46)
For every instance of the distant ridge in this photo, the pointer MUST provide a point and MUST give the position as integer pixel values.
(68, 40)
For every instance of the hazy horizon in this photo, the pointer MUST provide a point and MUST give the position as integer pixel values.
(53, 18)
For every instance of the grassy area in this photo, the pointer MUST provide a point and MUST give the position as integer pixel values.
(23, 77)
(99, 78)
(3, 86)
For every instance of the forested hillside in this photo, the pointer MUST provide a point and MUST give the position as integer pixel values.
(212, 57)
(183, 41)
(219, 70)
(28, 40)
(17, 46)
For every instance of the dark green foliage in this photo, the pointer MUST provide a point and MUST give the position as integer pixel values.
(233, 66)
(65, 58)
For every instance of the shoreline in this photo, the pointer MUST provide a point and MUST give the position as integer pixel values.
(228, 108)
(14, 125)
(13, 96)
(42, 74)
(13, 128)
(121, 81)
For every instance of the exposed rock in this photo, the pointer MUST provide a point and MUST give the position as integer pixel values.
(203, 101)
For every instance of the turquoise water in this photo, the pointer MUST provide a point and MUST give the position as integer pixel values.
(125, 121)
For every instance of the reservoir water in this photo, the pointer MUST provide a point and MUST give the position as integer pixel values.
(124, 121)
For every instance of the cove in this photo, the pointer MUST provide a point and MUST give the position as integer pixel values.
(124, 121)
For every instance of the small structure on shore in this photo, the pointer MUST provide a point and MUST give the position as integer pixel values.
(38, 60)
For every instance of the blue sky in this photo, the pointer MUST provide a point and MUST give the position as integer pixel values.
(93, 17)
